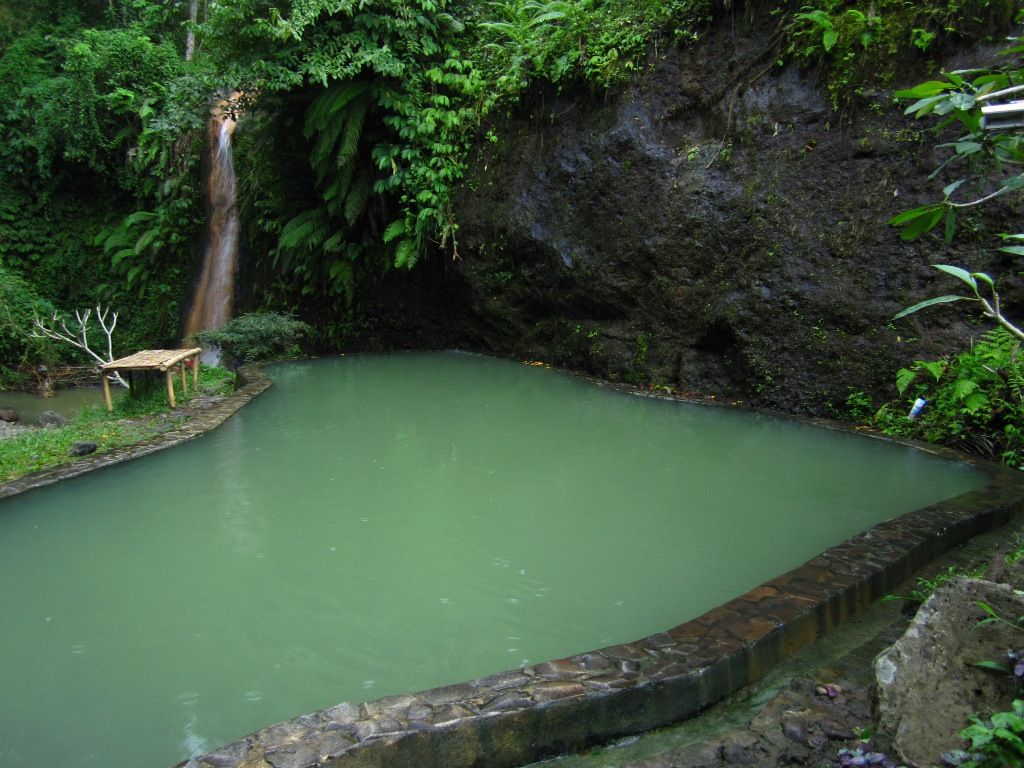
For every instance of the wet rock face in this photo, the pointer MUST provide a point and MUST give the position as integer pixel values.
(928, 684)
(716, 227)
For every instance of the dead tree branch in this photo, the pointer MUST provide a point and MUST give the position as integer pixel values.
(57, 328)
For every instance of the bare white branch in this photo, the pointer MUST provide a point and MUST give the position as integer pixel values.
(57, 329)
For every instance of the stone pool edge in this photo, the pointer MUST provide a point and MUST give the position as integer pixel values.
(520, 716)
(250, 382)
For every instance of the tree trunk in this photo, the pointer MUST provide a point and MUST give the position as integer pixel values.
(190, 35)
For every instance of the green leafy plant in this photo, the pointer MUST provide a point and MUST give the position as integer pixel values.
(257, 336)
(975, 399)
(992, 160)
(924, 587)
(985, 294)
(19, 305)
(856, 41)
(997, 740)
(858, 406)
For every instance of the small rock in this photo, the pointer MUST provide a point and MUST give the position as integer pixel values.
(291, 756)
(831, 690)
(8, 414)
(817, 741)
(794, 731)
(735, 754)
(51, 419)
(82, 449)
(836, 731)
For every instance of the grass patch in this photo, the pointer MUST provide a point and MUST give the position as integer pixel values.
(37, 449)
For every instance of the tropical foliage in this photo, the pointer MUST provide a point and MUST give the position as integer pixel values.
(257, 336)
(977, 396)
(360, 120)
(975, 399)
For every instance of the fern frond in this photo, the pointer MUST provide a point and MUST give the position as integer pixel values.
(335, 243)
(306, 231)
(321, 155)
(355, 117)
(394, 229)
(336, 117)
(964, 387)
(328, 105)
(1016, 382)
(355, 201)
(337, 190)
(904, 377)
(405, 254)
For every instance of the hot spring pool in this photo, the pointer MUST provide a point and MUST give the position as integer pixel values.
(379, 524)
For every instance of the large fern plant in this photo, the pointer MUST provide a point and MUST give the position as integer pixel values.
(385, 129)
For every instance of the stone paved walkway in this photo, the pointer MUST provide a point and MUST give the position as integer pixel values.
(783, 720)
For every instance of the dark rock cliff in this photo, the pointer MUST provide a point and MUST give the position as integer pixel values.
(716, 227)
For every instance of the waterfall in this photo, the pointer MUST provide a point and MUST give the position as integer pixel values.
(214, 294)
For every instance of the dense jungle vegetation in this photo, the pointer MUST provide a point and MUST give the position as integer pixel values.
(361, 118)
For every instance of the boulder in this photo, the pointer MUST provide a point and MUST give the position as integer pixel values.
(8, 414)
(927, 682)
(51, 419)
(82, 449)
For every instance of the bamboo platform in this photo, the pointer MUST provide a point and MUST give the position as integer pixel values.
(163, 360)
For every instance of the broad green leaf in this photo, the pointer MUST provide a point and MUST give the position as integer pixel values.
(902, 218)
(984, 278)
(950, 226)
(928, 303)
(927, 88)
(1016, 250)
(966, 148)
(961, 101)
(924, 223)
(994, 666)
(958, 272)
(949, 189)
(923, 106)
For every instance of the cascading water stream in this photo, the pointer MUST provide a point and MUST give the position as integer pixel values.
(213, 298)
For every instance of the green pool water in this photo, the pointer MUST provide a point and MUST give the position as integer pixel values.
(380, 524)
